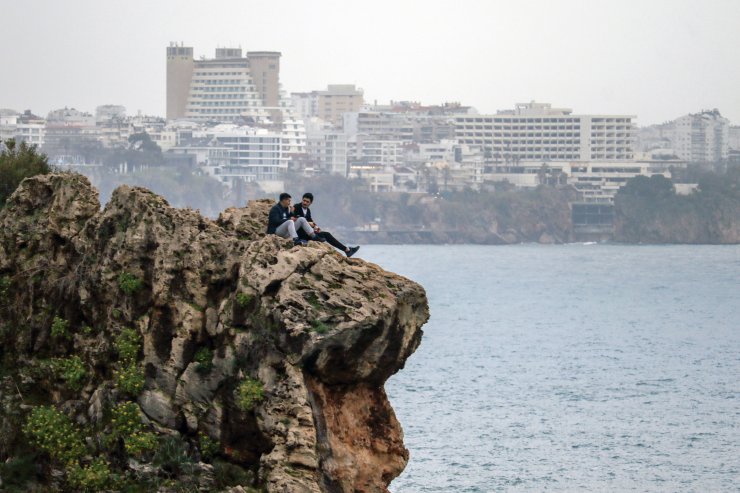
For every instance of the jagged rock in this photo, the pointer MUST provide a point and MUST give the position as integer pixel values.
(215, 304)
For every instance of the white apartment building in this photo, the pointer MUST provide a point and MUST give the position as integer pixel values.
(368, 154)
(22, 128)
(701, 137)
(246, 154)
(327, 147)
(538, 132)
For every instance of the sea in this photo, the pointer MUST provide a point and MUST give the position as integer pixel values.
(580, 367)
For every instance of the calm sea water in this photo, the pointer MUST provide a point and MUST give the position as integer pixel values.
(571, 368)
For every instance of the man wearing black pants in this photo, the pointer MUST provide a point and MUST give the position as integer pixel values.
(303, 210)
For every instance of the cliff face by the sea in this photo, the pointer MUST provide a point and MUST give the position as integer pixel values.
(146, 348)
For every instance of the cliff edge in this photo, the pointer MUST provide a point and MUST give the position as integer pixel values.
(146, 348)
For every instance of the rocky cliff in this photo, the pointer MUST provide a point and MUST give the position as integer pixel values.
(146, 348)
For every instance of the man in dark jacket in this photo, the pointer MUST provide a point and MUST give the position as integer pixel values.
(303, 211)
(282, 223)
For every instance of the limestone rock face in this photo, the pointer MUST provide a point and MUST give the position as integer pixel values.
(212, 305)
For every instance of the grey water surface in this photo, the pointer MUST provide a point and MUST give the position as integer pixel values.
(571, 368)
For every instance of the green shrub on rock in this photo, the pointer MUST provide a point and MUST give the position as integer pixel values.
(91, 478)
(126, 423)
(208, 446)
(60, 328)
(71, 370)
(204, 360)
(128, 344)
(53, 432)
(249, 393)
(129, 283)
(130, 379)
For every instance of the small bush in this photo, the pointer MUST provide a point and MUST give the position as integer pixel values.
(91, 478)
(60, 328)
(130, 379)
(71, 370)
(126, 423)
(17, 471)
(53, 432)
(319, 327)
(208, 446)
(129, 283)
(140, 443)
(204, 360)
(249, 393)
(243, 299)
(128, 344)
(227, 474)
(172, 456)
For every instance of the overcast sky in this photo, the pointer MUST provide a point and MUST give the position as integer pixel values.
(657, 59)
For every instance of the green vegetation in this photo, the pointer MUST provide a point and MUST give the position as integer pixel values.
(127, 425)
(71, 370)
(52, 431)
(227, 474)
(648, 210)
(243, 299)
(209, 447)
(17, 472)
(128, 344)
(204, 360)
(130, 379)
(60, 328)
(313, 300)
(172, 457)
(129, 283)
(319, 327)
(249, 393)
(19, 161)
(91, 478)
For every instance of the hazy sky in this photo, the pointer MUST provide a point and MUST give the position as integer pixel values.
(657, 59)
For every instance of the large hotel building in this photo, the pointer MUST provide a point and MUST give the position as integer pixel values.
(538, 132)
(227, 88)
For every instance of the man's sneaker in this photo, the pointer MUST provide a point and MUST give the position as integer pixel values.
(299, 242)
(352, 251)
(318, 238)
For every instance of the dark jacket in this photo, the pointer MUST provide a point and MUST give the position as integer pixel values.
(298, 212)
(278, 215)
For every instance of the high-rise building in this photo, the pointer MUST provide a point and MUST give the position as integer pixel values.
(227, 88)
(264, 67)
(180, 66)
(538, 132)
(701, 137)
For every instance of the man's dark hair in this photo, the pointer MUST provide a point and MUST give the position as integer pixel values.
(308, 195)
(284, 196)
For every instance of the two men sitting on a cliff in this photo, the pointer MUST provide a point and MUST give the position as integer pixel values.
(297, 223)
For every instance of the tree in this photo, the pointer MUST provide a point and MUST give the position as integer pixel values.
(19, 161)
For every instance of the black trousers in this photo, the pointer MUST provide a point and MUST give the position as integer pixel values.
(328, 237)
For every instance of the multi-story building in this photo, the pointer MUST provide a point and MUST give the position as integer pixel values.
(247, 154)
(227, 88)
(337, 100)
(327, 148)
(25, 127)
(538, 132)
(701, 137)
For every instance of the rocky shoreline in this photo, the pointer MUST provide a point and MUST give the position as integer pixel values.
(227, 349)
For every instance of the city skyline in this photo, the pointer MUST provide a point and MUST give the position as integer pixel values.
(657, 61)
